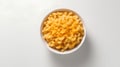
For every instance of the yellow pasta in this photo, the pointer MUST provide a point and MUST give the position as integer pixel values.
(63, 30)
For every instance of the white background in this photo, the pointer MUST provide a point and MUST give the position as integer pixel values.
(21, 45)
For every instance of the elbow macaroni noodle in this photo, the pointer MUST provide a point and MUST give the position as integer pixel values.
(63, 30)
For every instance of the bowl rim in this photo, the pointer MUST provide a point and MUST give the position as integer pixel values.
(54, 50)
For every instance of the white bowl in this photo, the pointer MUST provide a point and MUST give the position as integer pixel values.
(68, 51)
